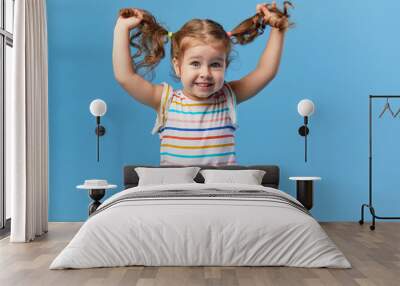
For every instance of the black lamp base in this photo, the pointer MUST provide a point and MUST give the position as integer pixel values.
(100, 130)
(303, 130)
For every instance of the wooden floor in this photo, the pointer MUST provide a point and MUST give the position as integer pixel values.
(374, 255)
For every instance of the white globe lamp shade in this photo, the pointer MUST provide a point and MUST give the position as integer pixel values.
(98, 107)
(305, 107)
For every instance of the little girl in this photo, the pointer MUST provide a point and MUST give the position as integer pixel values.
(196, 124)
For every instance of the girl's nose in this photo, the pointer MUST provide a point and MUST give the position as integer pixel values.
(205, 73)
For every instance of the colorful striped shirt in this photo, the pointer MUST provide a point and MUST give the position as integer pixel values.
(197, 132)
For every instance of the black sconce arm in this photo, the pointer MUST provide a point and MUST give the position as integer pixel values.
(304, 131)
(100, 131)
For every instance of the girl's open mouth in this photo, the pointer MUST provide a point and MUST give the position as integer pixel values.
(204, 84)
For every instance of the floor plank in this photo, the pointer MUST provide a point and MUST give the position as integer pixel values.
(374, 255)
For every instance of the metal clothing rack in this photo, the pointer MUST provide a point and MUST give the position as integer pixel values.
(369, 205)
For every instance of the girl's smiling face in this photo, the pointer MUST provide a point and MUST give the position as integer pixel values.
(201, 70)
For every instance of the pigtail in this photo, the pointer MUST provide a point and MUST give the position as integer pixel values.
(254, 26)
(248, 30)
(148, 39)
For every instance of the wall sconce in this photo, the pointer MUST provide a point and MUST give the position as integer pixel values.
(98, 108)
(305, 108)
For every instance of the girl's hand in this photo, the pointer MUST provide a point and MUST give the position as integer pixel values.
(272, 16)
(129, 18)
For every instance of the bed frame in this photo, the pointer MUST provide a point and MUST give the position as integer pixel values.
(270, 179)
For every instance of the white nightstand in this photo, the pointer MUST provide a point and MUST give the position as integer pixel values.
(97, 189)
(304, 190)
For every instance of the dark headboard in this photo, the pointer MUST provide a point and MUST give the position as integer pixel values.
(271, 177)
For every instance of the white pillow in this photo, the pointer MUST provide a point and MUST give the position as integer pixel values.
(248, 177)
(163, 176)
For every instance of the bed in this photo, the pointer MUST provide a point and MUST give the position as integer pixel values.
(201, 224)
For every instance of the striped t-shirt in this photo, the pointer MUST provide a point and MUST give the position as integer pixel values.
(197, 132)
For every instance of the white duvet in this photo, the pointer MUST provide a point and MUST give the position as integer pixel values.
(200, 231)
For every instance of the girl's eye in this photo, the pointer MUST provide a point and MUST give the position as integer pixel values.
(216, 65)
(195, 64)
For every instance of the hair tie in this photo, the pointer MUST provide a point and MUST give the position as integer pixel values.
(170, 35)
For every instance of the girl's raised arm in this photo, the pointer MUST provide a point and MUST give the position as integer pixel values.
(268, 65)
(124, 71)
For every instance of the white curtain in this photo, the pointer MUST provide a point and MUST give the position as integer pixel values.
(27, 124)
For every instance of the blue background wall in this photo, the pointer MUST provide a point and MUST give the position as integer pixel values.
(338, 53)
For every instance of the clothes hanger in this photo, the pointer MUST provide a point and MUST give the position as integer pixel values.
(387, 107)
(397, 113)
